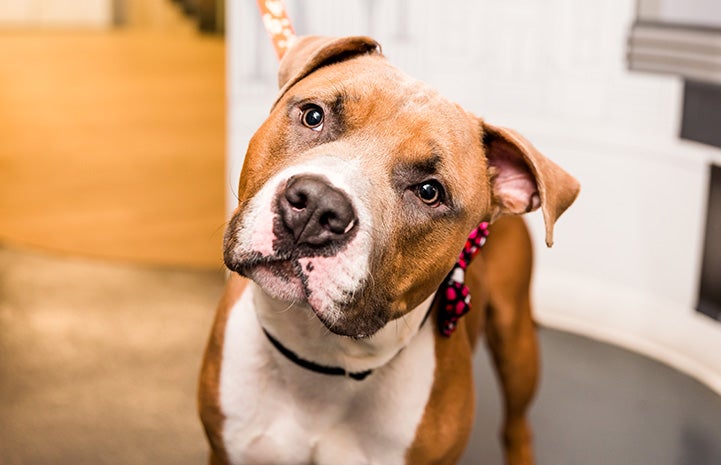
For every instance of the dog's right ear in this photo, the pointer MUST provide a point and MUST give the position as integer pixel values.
(308, 53)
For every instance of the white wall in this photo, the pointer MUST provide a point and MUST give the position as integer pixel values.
(54, 13)
(624, 268)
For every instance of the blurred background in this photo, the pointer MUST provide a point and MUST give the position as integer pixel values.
(113, 129)
(112, 190)
(123, 125)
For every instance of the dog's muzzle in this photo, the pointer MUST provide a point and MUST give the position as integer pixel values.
(306, 239)
(313, 217)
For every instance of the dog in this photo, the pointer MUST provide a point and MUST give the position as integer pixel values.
(355, 198)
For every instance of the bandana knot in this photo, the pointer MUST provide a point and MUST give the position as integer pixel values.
(454, 295)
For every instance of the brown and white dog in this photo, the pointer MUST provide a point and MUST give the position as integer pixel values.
(357, 194)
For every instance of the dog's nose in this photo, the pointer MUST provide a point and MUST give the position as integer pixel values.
(315, 212)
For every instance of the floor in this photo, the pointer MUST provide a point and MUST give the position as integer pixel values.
(601, 405)
(98, 362)
(98, 365)
(112, 143)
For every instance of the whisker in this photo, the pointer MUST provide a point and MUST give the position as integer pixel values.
(288, 308)
(405, 320)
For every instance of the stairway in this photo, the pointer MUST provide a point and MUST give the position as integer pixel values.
(209, 14)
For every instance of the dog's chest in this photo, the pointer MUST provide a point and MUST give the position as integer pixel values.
(279, 413)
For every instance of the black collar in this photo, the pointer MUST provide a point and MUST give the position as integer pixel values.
(324, 369)
(312, 366)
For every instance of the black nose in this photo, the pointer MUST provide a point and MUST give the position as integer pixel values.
(315, 212)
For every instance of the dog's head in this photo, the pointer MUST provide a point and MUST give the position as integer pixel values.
(359, 190)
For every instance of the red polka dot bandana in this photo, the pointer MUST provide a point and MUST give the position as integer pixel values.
(455, 298)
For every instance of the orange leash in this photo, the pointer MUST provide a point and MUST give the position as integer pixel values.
(277, 25)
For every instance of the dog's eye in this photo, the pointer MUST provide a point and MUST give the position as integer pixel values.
(312, 117)
(430, 192)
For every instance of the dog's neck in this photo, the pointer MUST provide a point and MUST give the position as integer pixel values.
(300, 331)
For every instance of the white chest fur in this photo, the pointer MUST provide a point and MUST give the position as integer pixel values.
(279, 413)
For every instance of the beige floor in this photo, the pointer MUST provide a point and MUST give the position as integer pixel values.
(99, 361)
(112, 144)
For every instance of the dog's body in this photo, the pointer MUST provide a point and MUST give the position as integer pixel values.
(356, 196)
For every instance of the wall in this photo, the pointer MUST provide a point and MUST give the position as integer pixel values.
(707, 12)
(625, 264)
(53, 13)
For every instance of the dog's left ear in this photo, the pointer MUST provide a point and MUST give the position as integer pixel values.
(522, 179)
(308, 53)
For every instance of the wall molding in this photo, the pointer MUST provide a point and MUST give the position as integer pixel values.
(693, 52)
(631, 320)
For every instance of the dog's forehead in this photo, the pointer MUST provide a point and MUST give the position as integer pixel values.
(410, 94)
(373, 79)
(382, 102)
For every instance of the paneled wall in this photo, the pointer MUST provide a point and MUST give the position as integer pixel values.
(626, 261)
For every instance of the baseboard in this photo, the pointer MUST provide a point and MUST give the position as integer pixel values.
(673, 334)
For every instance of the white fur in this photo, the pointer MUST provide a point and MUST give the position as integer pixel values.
(279, 413)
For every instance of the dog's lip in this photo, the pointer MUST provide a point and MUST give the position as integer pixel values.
(282, 268)
(280, 278)
(245, 265)
(288, 269)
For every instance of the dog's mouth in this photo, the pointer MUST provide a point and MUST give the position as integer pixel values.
(281, 278)
(283, 270)
(288, 279)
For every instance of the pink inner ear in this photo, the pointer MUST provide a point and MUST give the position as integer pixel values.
(514, 186)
